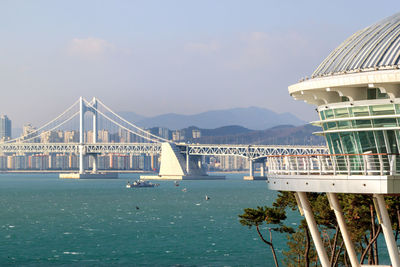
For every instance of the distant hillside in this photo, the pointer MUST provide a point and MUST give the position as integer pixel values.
(251, 118)
(282, 135)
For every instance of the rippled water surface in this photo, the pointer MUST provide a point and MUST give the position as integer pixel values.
(48, 221)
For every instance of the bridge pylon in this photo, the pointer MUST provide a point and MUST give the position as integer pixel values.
(83, 108)
(178, 164)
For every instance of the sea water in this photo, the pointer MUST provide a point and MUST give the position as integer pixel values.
(46, 221)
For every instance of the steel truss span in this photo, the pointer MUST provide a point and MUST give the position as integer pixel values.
(254, 152)
(251, 152)
(131, 148)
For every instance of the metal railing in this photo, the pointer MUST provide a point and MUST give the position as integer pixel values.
(335, 164)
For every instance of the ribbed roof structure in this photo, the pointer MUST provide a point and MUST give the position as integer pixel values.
(375, 47)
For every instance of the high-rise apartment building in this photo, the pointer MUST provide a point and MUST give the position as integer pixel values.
(5, 127)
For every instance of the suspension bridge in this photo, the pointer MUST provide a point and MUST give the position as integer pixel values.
(85, 122)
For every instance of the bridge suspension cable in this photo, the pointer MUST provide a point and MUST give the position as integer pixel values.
(21, 138)
(55, 127)
(157, 138)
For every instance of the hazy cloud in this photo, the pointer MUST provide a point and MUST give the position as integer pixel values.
(260, 49)
(89, 48)
(198, 47)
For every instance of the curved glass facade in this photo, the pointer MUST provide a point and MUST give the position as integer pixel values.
(362, 129)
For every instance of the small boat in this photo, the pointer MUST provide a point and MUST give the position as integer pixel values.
(207, 197)
(140, 183)
(184, 189)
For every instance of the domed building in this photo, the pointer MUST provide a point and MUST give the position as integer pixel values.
(356, 91)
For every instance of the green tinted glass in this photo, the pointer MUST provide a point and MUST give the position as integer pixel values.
(361, 123)
(380, 142)
(344, 125)
(367, 141)
(397, 108)
(331, 126)
(382, 109)
(348, 143)
(341, 113)
(322, 115)
(329, 114)
(360, 111)
(390, 122)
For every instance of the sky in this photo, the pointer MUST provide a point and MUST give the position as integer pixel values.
(168, 56)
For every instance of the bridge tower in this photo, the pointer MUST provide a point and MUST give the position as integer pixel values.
(83, 108)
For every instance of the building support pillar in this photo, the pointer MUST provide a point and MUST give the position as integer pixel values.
(334, 203)
(305, 207)
(384, 220)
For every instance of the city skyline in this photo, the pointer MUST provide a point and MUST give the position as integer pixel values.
(158, 57)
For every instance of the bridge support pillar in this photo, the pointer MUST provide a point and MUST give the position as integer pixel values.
(94, 163)
(177, 164)
(251, 170)
(262, 169)
(81, 163)
(251, 167)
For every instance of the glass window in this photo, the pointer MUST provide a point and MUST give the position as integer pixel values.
(371, 93)
(322, 115)
(361, 123)
(331, 126)
(390, 122)
(392, 141)
(337, 149)
(382, 109)
(380, 95)
(359, 111)
(380, 141)
(367, 141)
(329, 114)
(328, 139)
(397, 108)
(341, 113)
(349, 145)
(345, 99)
(344, 125)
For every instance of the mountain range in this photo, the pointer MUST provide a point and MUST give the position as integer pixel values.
(278, 135)
(254, 118)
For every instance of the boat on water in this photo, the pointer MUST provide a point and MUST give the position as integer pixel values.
(140, 183)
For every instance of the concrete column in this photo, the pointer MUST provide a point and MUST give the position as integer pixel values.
(312, 225)
(94, 165)
(251, 168)
(187, 160)
(334, 202)
(94, 157)
(381, 210)
(262, 169)
(81, 134)
(81, 163)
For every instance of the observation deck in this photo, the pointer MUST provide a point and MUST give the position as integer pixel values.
(356, 91)
(370, 173)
